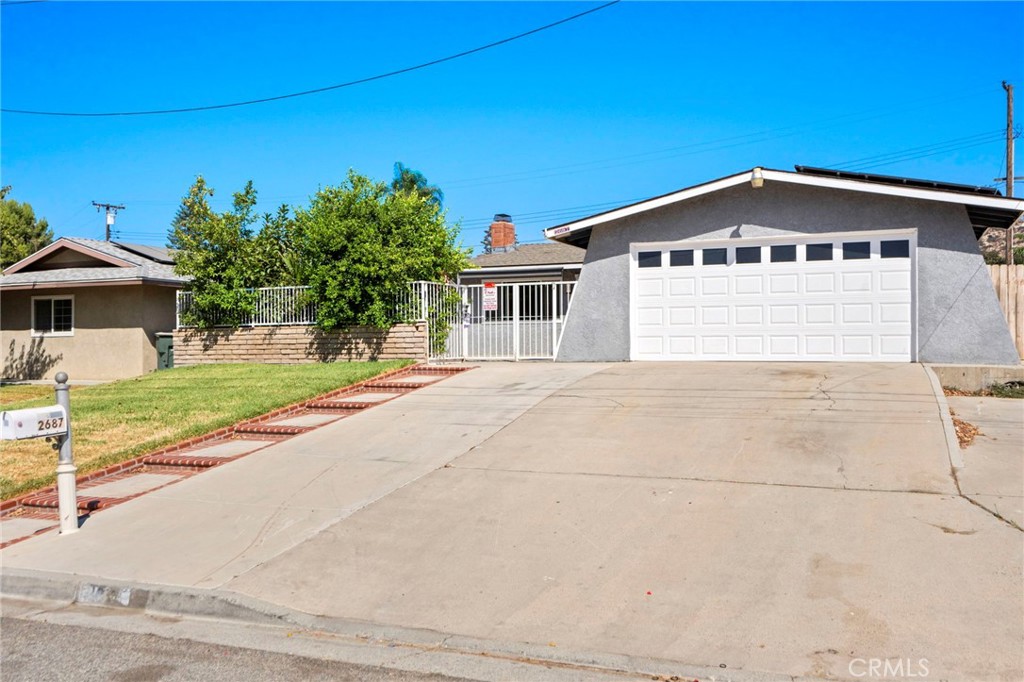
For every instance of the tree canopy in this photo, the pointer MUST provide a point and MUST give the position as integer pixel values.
(355, 245)
(21, 234)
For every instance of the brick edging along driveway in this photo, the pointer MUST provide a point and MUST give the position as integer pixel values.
(224, 432)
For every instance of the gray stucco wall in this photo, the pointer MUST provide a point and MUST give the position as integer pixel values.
(959, 320)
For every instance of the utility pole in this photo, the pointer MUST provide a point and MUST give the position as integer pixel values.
(112, 210)
(1009, 164)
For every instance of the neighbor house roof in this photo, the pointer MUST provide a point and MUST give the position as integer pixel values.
(532, 254)
(985, 207)
(98, 262)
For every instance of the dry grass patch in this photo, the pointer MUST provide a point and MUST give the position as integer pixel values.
(118, 421)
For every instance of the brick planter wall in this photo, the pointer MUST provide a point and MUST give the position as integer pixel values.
(299, 344)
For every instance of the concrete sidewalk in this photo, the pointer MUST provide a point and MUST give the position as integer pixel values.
(206, 530)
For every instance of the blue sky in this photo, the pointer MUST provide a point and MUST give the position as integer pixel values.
(626, 103)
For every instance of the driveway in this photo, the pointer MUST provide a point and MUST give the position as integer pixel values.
(787, 518)
(772, 517)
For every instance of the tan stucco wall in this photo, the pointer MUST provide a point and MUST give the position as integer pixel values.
(114, 335)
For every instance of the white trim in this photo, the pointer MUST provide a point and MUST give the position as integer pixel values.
(560, 231)
(517, 268)
(41, 334)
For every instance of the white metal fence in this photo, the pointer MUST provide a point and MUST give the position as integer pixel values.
(520, 321)
(273, 306)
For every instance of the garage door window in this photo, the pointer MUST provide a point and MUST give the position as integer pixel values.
(680, 258)
(856, 250)
(784, 253)
(899, 248)
(748, 254)
(649, 259)
(714, 256)
(817, 252)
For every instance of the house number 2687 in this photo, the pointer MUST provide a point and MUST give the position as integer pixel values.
(47, 424)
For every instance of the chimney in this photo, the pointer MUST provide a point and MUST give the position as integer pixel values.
(503, 233)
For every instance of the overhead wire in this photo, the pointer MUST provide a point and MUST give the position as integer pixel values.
(315, 91)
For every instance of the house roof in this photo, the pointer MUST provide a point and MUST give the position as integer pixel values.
(552, 253)
(115, 263)
(985, 208)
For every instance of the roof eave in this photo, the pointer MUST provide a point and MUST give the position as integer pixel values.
(66, 243)
(577, 232)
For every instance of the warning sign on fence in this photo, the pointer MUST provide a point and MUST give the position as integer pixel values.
(490, 296)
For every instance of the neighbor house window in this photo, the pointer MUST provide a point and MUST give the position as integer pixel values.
(53, 315)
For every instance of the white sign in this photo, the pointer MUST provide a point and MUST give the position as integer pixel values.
(35, 422)
(490, 296)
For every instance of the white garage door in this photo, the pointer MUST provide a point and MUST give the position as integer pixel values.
(826, 297)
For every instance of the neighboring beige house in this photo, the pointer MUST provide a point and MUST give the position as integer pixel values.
(86, 307)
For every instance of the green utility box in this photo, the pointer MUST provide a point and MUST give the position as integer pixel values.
(164, 350)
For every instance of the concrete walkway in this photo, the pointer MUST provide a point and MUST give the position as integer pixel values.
(204, 531)
(786, 518)
(994, 463)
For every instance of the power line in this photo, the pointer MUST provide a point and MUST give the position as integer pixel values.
(913, 151)
(315, 91)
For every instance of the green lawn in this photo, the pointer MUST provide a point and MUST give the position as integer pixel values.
(117, 421)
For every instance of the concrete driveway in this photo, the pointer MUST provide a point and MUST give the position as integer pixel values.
(798, 519)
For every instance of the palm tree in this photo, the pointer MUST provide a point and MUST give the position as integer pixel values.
(408, 180)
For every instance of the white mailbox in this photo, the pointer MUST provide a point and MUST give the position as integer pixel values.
(35, 422)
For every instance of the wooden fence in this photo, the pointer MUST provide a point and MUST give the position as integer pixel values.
(1009, 283)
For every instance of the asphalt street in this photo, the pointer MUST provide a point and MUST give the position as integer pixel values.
(34, 651)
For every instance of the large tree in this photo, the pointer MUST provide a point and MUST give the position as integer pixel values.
(216, 251)
(363, 242)
(21, 234)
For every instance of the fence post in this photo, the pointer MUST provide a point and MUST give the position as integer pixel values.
(515, 321)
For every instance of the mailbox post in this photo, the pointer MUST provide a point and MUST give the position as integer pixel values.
(54, 424)
(67, 496)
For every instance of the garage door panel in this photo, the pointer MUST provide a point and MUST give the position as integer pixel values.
(682, 316)
(785, 346)
(784, 314)
(714, 315)
(682, 345)
(748, 284)
(783, 284)
(820, 313)
(714, 286)
(820, 283)
(856, 306)
(856, 282)
(749, 315)
(820, 346)
(894, 281)
(649, 317)
(856, 313)
(715, 345)
(682, 286)
(750, 346)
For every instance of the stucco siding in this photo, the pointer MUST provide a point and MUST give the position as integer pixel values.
(113, 333)
(959, 320)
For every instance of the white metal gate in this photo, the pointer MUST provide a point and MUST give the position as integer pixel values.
(516, 321)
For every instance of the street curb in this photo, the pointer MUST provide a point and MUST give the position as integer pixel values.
(956, 458)
(159, 600)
